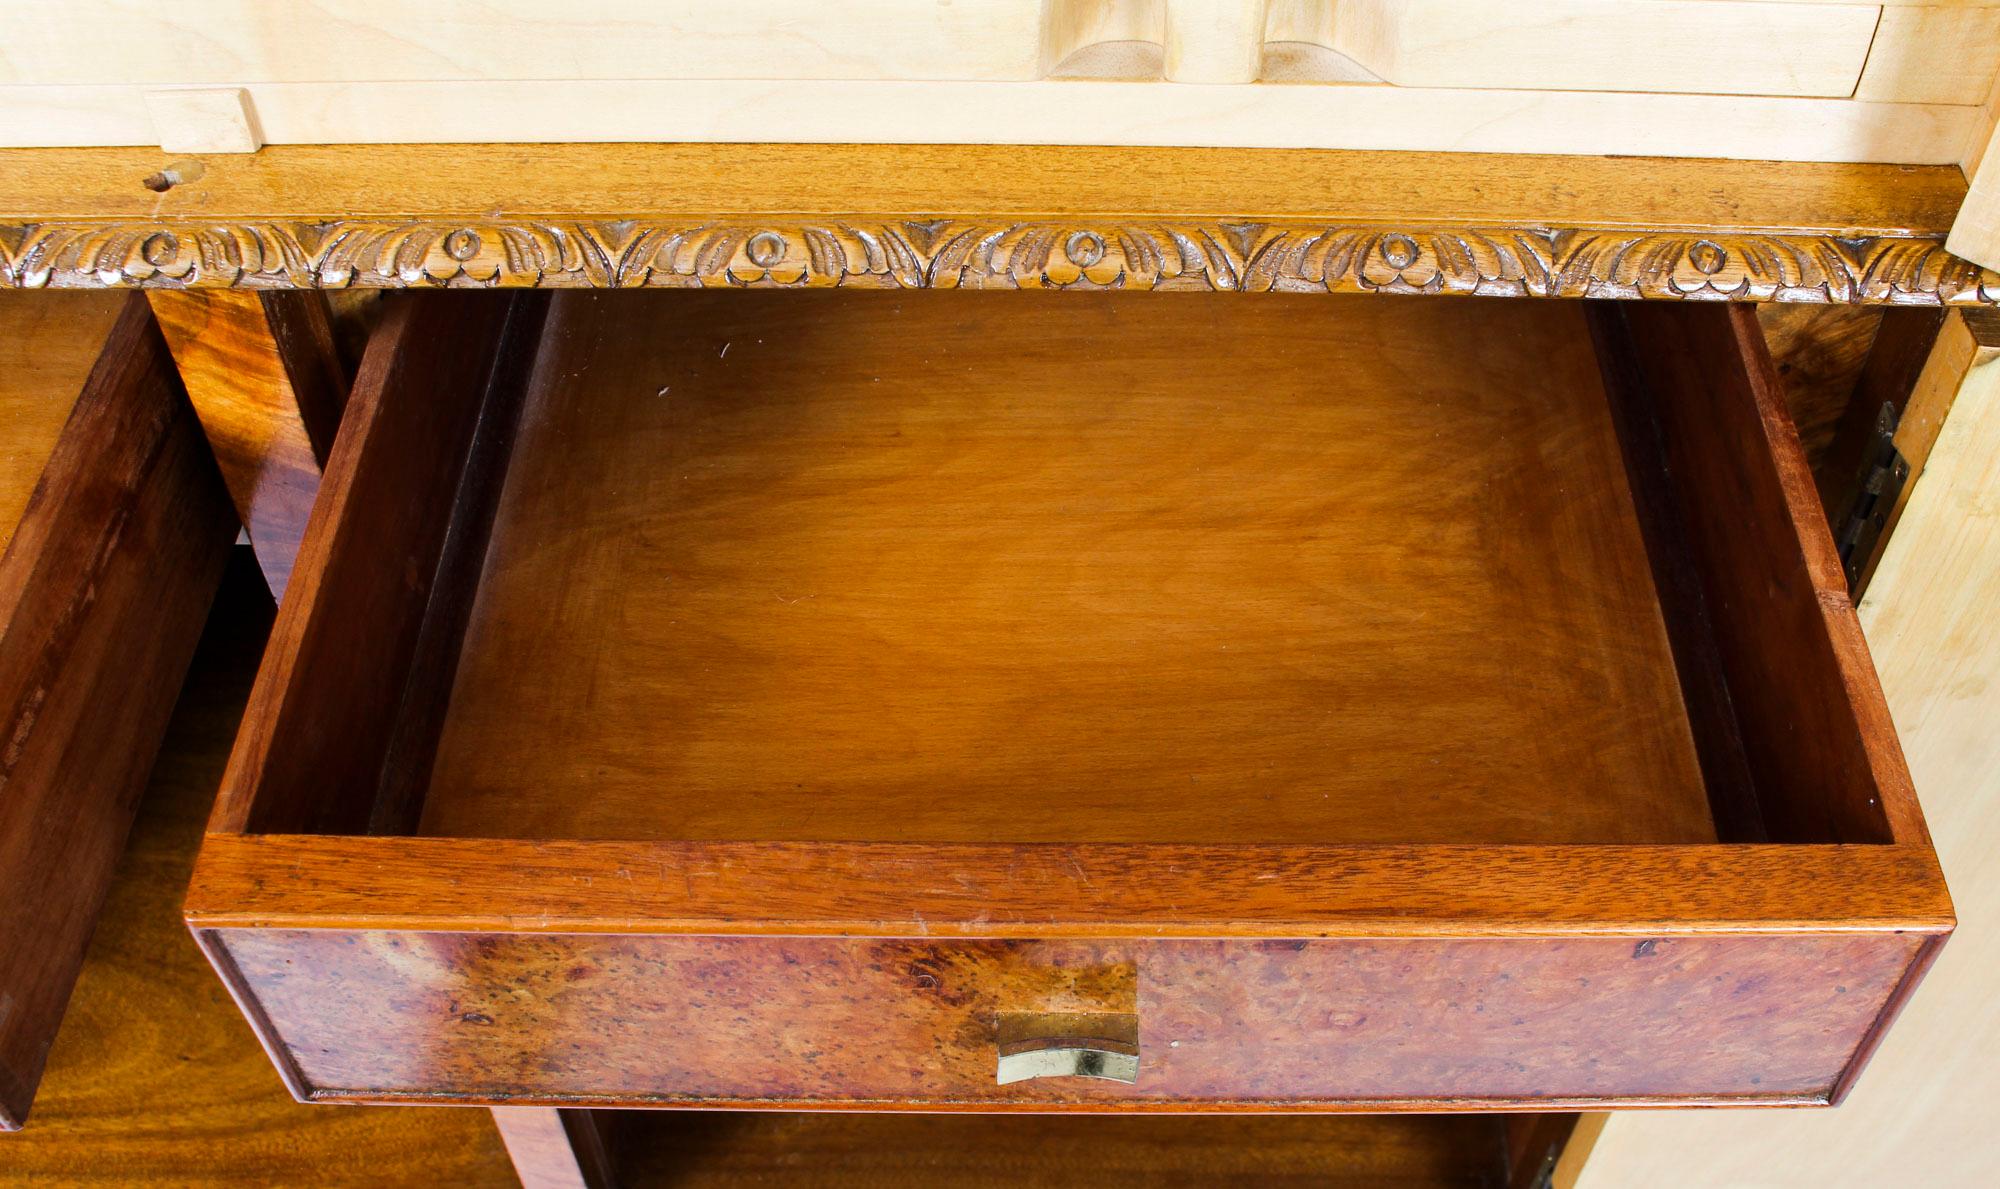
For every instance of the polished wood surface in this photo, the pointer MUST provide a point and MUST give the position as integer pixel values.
(417, 402)
(794, 1151)
(50, 340)
(265, 377)
(103, 590)
(1318, 587)
(154, 1078)
(557, 1149)
(539, 1018)
(698, 945)
(1922, 1114)
(1022, 182)
(1000, 216)
(1775, 597)
(1820, 352)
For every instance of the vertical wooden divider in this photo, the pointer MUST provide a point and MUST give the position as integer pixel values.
(555, 1149)
(103, 592)
(266, 381)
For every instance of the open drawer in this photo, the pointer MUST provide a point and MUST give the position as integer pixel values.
(912, 700)
(114, 529)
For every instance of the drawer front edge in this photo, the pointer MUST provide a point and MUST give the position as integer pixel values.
(820, 1022)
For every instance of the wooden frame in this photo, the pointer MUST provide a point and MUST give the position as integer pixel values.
(972, 216)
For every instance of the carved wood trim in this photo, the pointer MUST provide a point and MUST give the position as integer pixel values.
(1004, 254)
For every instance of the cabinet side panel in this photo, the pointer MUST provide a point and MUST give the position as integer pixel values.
(103, 593)
(869, 1023)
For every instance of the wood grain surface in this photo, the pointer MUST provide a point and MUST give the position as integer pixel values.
(549, 938)
(856, 1023)
(1820, 352)
(1320, 586)
(557, 1149)
(103, 590)
(1922, 1113)
(796, 1151)
(417, 403)
(1895, 359)
(264, 375)
(923, 216)
(155, 1078)
(1816, 732)
(49, 342)
(404, 182)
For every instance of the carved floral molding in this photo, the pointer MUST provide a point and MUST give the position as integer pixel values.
(886, 253)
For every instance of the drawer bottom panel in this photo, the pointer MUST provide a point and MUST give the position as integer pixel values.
(861, 1023)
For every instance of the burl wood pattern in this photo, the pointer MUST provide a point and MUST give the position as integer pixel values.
(1211, 596)
(883, 1023)
(264, 376)
(103, 590)
(883, 250)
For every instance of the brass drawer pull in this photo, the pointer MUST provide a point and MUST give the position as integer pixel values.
(1057, 1045)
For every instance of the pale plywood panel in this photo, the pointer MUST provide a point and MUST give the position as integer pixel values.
(247, 41)
(204, 120)
(1091, 113)
(1933, 55)
(1705, 46)
(1922, 1113)
(1975, 234)
(1103, 38)
(1213, 41)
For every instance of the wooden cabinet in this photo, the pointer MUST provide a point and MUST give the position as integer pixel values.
(804, 699)
(979, 632)
(113, 531)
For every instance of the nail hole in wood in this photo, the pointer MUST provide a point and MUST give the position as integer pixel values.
(173, 175)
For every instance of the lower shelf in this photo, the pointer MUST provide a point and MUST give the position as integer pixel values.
(826, 1151)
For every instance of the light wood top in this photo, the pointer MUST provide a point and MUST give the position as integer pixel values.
(932, 567)
(704, 180)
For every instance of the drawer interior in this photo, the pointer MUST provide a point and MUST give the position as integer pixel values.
(961, 568)
(941, 567)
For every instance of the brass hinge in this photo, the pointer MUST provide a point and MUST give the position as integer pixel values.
(1884, 470)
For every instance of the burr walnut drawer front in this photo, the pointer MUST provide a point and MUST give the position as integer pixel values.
(114, 528)
(887, 700)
